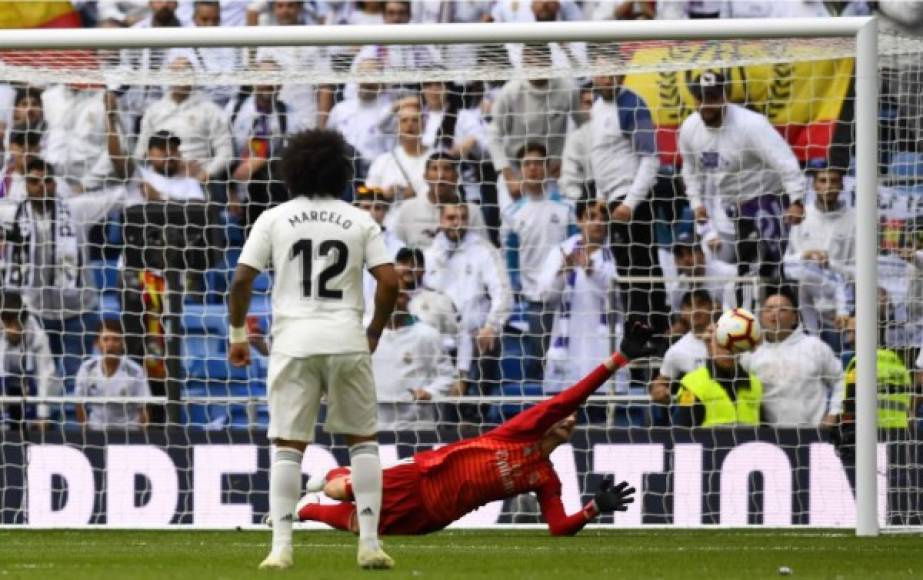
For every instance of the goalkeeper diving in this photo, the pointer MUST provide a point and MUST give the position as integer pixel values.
(435, 488)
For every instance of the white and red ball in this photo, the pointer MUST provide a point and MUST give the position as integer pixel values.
(737, 330)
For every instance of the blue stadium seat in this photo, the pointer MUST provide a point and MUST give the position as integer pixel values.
(906, 165)
(110, 306)
(205, 319)
(104, 274)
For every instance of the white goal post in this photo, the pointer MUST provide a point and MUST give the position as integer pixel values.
(863, 30)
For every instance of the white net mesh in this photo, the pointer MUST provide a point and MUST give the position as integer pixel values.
(157, 186)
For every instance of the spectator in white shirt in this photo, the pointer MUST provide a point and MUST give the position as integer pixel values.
(46, 253)
(821, 257)
(563, 55)
(410, 366)
(698, 270)
(200, 124)
(471, 272)
(533, 227)
(399, 172)
(533, 110)
(27, 366)
(736, 167)
(417, 220)
(111, 374)
(802, 377)
(577, 163)
(696, 313)
(309, 103)
(260, 123)
(138, 98)
(430, 306)
(229, 13)
(211, 60)
(82, 124)
(161, 177)
(576, 281)
(418, 57)
(372, 201)
(360, 119)
(28, 110)
(286, 13)
(463, 56)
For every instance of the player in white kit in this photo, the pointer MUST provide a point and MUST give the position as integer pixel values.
(318, 247)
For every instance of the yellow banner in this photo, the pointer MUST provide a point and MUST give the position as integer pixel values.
(797, 93)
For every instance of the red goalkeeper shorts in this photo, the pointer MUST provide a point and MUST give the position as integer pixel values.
(402, 509)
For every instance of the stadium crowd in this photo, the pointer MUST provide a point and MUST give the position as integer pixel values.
(530, 221)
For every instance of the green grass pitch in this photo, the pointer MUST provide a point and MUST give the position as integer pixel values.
(510, 555)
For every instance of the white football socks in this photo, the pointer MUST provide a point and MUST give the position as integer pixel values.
(284, 489)
(366, 482)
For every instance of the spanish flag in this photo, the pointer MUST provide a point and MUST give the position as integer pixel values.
(38, 15)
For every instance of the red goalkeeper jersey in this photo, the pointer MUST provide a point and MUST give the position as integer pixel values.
(505, 462)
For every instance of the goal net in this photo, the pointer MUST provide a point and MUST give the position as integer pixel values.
(597, 184)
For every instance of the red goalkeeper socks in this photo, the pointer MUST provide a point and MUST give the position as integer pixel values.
(339, 516)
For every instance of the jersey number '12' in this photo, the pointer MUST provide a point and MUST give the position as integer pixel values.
(341, 257)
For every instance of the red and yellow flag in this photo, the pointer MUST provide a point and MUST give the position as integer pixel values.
(38, 15)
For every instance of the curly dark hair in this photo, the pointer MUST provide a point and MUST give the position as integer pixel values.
(316, 163)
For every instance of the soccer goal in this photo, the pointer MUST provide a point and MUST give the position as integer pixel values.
(163, 148)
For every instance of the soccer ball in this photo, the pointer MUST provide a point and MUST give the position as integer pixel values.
(737, 330)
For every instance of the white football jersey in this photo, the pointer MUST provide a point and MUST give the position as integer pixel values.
(318, 249)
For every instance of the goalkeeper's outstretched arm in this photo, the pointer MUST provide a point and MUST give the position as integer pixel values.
(534, 422)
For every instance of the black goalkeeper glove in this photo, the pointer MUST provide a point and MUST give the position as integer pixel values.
(637, 342)
(613, 499)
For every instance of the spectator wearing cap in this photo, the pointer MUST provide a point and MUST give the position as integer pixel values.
(534, 226)
(27, 366)
(46, 255)
(821, 257)
(417, 220)
(202, 127)
(529, 110)
(161, 176)
(736, 168)
(801, 375)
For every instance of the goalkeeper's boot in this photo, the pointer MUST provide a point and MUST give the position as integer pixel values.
(278, 559)
(373, 558)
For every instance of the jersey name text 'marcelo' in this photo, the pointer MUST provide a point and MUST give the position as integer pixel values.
(317, 249)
